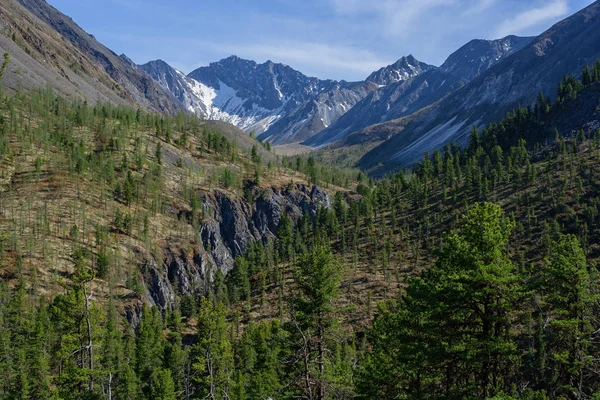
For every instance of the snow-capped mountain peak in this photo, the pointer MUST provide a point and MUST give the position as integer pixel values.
(274, 100)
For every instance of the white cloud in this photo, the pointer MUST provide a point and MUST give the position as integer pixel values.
(480, 6)
(533, 17)
(397, 16)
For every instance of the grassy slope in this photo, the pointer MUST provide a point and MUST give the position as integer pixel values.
(42, 197)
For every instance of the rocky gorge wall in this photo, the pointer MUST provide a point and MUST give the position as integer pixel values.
(229, 226)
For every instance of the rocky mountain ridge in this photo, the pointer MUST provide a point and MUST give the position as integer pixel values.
(282, 105)
(402, 97)
(49, 48)
(272, 100)
(515, 80)
(402, 70)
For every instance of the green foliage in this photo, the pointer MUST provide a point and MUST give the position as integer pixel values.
(317, 275)
(158, 154)
(213, 352)
(102, 265)
(4, 66)
(571, 293)
(460, 309)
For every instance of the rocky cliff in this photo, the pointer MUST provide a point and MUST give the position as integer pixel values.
(230, 225)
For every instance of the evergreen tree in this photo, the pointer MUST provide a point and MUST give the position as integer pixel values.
(460, 309)
(213, 353)
(571, 292)
(317, 276)
(4, 67)
(158, 153)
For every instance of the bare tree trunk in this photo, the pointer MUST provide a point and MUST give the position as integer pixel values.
(212, 379)
(187, 380)
(307, 371)
(90, 346)
(321, 350)
(305, 356)
(211, 372)
(110, 377)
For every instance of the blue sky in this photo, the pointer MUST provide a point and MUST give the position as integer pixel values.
(337, 39)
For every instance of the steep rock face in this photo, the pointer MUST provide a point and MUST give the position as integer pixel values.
(230, 226)
(187, 274)
(262, 86)
(515, 80)
(159, 287)
(193, 95)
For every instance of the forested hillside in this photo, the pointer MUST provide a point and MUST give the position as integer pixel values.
(153, 257)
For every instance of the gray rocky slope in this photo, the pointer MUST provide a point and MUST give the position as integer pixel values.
(402, 97)
(48, 48)
(184, 89)
(515, 80)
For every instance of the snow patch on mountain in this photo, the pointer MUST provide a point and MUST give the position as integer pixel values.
(223, 104)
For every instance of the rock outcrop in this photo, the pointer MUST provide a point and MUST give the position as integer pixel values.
(230, 225)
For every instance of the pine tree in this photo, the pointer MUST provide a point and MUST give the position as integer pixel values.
(460, 309)
(571, 292)
(38, 357)
(237, 281)
(317, 276)
(4, 66)
(161, 386)
(213, 353)
(149, 348)
(586, 76)
(158, 153)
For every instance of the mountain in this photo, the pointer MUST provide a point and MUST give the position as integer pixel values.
(282, 105)
(278, 103)
(517, 79)
(402, 70)
(48, 48)
(149, 258)
(193, 95)
(409, 85)
(318, 112)
(275, 101)
(478, 56)
(398, 99)
(142, 245)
